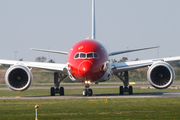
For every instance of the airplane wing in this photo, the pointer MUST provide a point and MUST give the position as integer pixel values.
(61, 68)
(133, 50)
(52, 51)
(125, 66)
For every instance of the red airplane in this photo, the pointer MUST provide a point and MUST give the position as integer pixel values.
(87, 62)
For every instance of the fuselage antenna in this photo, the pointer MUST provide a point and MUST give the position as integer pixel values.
(93, 20)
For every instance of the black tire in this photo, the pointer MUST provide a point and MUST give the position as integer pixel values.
(121, 91)
(61, 91)
(90, 92)
(52, 91)
(130, 90)
(85, 92)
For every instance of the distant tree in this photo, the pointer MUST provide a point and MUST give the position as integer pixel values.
(175, 63)
(5, 66)
(137, 59)
(114, 60)
(51, 61)
(21, 59)
(1, 66)
(40, 59)
(124, 59)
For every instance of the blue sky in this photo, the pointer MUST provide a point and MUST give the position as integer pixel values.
(59, 24)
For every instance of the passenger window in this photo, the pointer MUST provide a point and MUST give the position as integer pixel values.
(82, 55)
(77, 55)
(96, 55)
(90, 55)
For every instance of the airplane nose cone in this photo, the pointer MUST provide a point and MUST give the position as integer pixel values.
(86, 69)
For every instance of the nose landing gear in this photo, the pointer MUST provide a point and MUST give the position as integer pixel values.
(87, 91)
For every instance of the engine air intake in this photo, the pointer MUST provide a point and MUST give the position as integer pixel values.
(18, 78)
(160, 75)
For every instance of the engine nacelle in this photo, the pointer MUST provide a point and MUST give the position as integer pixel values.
(160, 75)
(18, 78)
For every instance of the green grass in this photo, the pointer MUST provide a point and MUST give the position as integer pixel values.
(92, 109)
(89, 108)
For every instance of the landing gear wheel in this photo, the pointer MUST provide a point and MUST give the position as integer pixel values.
(121, 91)
(52, 91)
(85, 92)
(58, 78)
(90, 92)
(130, 90)
(61, 91)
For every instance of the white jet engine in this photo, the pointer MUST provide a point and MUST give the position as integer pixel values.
(160, 75)
(18, 78)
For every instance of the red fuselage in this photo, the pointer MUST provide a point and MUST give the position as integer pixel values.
(87, 60)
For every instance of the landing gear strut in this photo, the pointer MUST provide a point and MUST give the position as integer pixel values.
(57, 80)
(87, 91)
(123, 76)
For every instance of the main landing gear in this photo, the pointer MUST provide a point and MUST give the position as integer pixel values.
(87, 91)
(123, 76)
(57, 80)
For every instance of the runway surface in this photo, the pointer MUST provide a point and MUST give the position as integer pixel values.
(112, 95)
(135, 95)
(116, 95)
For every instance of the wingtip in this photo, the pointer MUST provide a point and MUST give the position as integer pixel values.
(157, 46)
(32, 48)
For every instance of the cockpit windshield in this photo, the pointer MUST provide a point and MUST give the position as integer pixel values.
(96, 55)
(86, 55)
(89, 55)
(82, 55)
(76, 56)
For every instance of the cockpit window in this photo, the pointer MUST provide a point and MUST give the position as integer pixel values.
(89, 55)
(86, 55)
(82, 55)
(77, 55)
(96, 55)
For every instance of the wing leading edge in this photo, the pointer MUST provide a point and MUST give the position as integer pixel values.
(133, 50)
(125, 66)
(52, 51)
(61, 68)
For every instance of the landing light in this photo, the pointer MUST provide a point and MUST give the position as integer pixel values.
(87, 82)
